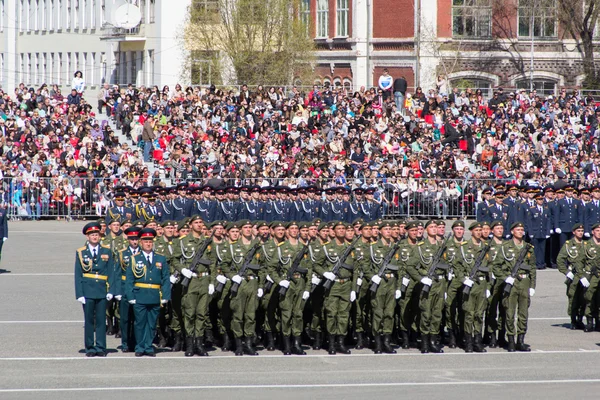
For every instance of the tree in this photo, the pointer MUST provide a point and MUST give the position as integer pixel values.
(261, 41)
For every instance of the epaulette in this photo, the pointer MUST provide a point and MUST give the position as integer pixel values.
(420, 243)
(160, 253)
(122, 250)
(105, 246)
(82, 248)
(464, 242)
(181, 237)
(280, 243)
(567, 242)
(325, 243)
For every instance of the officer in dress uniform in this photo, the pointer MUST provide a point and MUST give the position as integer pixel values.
(94, 286)
(326, 213)
(181, 204)
(119, 211)
(374, 208)
(126, 309)
(552, 244)
(567, 215)
(592, 212)
(251, 209)
(539, 226)
(204, 207)
(269, 205)
(512, 203)
(354, 210)
(483, 207)
(314, 202)
(339, 207)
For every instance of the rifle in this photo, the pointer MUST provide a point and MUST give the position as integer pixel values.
(198, 259)
(435, 264)
(341, 262)
(518, 265)
(569, 280)
(477, 266)
(385, 265)
(294, 268)
(247, 265)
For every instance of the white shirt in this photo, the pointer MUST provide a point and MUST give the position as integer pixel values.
(94, 250)
(147, 256)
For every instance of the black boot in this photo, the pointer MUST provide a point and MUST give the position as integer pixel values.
(521, 346)
(109, 325)
(341, 347)
(434, 345)
(297, 347)
(597, 326)
(270, 342)
(468, 344)
(502, 338)
(580, 324)
(178, 345)
(318, 341)
(118, 334)
(199, 347)
(573, 323)
(424, 344)
(589, 327)
(405, 342)
(249, 348)
(226, 342)
(377, 348)
(331, 347)
(239, 348)
(287, 348)
(360, 341)
(387, 345)
(189, 346)
(451, 339)
(209, 338)
(493, 343)
(511, 344)
(478, 344)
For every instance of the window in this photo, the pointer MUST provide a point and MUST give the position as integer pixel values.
(92, 14)
(82, 23)
(1, 18)
(68, 17)
(152, 11)
(542, 86)
(207, 10)
(305, 13)
(58, 14)
(142, 11)
(342, 18)
(150, 67)
(347, 84)
(538, 18)
(76, 15)
(102, 12)
(472, 18)
(474, 84)
(44, 14)
(322, 18)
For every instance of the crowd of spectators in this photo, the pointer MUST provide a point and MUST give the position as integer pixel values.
(443, 146)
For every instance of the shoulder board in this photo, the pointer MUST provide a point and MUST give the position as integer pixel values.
(160, 253)
(122, 250)
(82, 248)
(280, 244)
(325, 243)
(181, 237)
(420, 243)
(567, 242)
(105, 246)
(464, 242)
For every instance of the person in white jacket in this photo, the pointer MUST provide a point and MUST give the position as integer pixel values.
(78, 84)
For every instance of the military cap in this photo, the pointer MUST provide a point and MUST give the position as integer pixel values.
(260, 224)
(584, 191)
(195, 218)
(220, 191)
(316, 221)
(91, 227)
(412, 225)
(578, 226)
(533, 189)
(244, 222)
(278, 224)
(330, 191)
(385, 224)
(401, 222)
(120, 196)
(486, 191)
(168, 223)
(132, 232)
(138, 222)
(134, 194)
(147, 234)
(125, 221)
(475, 225)
(511, 186)
(358, 221)
(323, 225)
(485, 223)
(538, 195)
(218, 223)
(182, 224)
(359, 190)
(290, 224)
(570, 188)
(114, 219)
(499, 186)
(496, 223)
(145, 192)
(182, 185)
(304, 225)
(342, 189)
(500, 194)
(231, 225)
(312, 189)
(441, 222)
(149, 221)
(548, 189)
(335, 224)
(596, 189)
(430, 222)
(596, 225)
(559, 190)
(370, 191)
(517, 225)
(101, 221)
(396, 223)
(232, 189)
(458, 223)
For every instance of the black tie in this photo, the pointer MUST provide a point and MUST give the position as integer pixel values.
(148, 258)
(120, 210)
(94, 254)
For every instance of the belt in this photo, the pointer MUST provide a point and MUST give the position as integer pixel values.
(297, 275)
(96, 276)
(481, 278)
(438, 277)
(123, 277)
(389, 275)
(342, 280)
(202, 274)
(250, 277)
(147, 286)
(523, 276)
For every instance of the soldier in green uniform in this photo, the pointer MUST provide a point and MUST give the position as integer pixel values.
(431, 304)
(116, 241)
(197, 295)
(409, 304)
(591, 275)
(339, 298)
(453, 311)
(496, 314)
(126, 309)
(361, 262)
(475, 303)
(570, 262)
(383, 301)
(94, 285)
(317, 297)
(517, 303)
(269, 301)
(148, 288)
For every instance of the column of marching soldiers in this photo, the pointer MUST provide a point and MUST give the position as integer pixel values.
(192, 284)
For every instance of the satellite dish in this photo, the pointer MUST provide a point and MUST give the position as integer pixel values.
(127, 16)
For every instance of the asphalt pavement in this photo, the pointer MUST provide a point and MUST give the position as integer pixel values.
(41, 339)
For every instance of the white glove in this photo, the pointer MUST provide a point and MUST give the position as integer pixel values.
(531, 292)
(570, 275)
(305, 295)
(551, 231)
(376, 279)
(530, 236)
(405, 281)
(173, 279)
(426, 281)
(558, 230)
(109, 296)
(584, 282)
(221, 279)
(211, 289)
(507, 236)
(237, 279)
(510, 280)
(119, 297)
(468, 282)
(352, 296)
(587, 234)
(488, 294)
(450, 276)
(260, 293)
(81, 300)
(547, 236)
(269, 279)
(4, 239)
(493, 276)
(132, 301)
(315, 280)
(359, 282)
(329, 276)
(164, 301)
(187, 273)
(398, 294)
(284, 283)
(445, 295)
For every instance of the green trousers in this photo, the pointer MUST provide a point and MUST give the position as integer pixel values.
(269, 304)
(145, 326)
(576, 300)
(317, 300)
(453, 311)
(432, 307)
(195, 308)
(337, 308)
(224, 309)
(243, 309)
(127, 324)
(517, 305)
(383, 304)
(94, 311)
(591, 298)
(176, 308)
(409, 307)
(291, 307)
(473, 307)
(363, 307)
(496, 311)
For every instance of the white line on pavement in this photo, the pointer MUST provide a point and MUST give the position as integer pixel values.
(52, 232)
(307, 386)
(38, 274)
(41, 322)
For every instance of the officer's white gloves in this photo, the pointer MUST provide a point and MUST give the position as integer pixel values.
(570, 275)
(352, 296)
(488, 294)
(173, 279)
(260, 293)
(426, 281)
(359, 282)
(164, 301)
(132, 301)
(398, 294)
(376, 279)
(329, 276)
(558, 230)
(109, 296)
(118, 297)
(221, 279)
(284, 283)
(211, 289)
(468, 282)
(405, 281)
(531, 292)
(187, 273)
(305, 295)
(237, 279)
(510, 280)
(315, 280)
(81, 300)
(269, 279)
(584, 282)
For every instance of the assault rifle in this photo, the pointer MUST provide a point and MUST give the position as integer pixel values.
(477, 266)
(247, 265)
(518, 265)
(295, 267)
(341, 263)
(436, 263)
(197, 260)
(385, 265)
